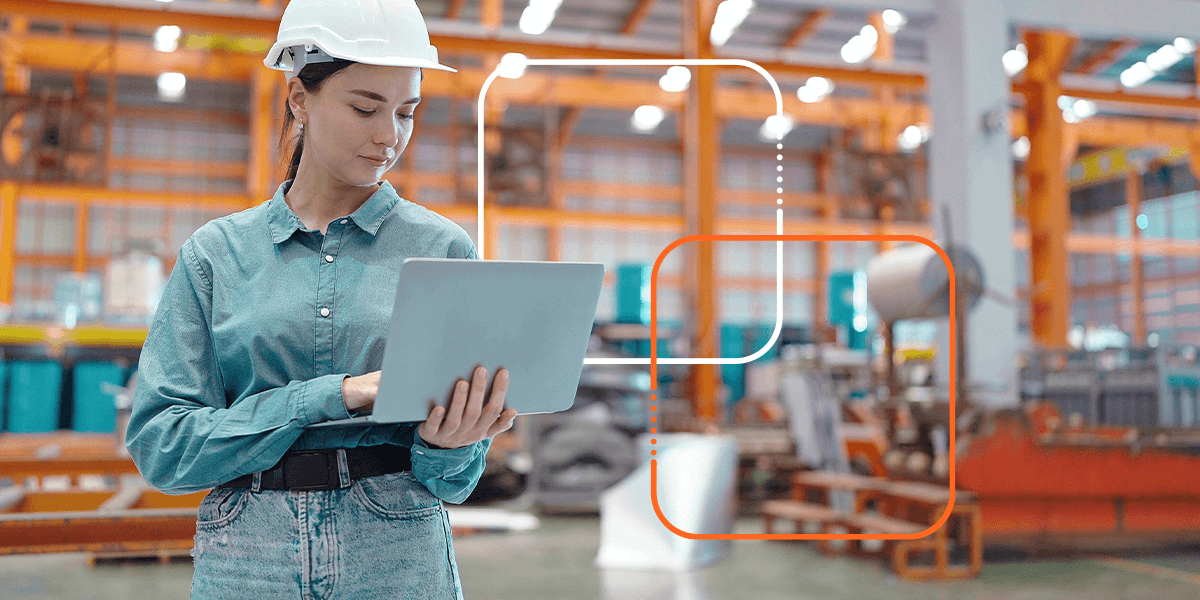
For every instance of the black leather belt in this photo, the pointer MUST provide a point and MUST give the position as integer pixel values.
(318, 469)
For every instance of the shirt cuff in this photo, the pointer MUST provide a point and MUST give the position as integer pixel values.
(444, 455)
(322, 399)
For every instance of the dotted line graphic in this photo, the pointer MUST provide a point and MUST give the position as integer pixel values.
(653, 419)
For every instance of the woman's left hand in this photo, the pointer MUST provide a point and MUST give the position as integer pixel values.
(468, 419)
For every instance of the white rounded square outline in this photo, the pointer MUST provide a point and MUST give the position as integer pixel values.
(647, 62)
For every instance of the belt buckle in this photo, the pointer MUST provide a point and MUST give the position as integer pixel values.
(307, 471)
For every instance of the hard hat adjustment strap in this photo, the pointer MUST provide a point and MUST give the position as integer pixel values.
(305, 54)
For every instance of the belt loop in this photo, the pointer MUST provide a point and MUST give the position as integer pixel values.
(343, 468)
(257, 485)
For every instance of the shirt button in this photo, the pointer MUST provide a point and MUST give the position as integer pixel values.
(343, 221)
(328, 258)
(324, 312)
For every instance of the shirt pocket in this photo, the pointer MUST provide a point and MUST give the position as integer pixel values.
(396, 496)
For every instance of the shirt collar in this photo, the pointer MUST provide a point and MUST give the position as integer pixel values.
(283, 222)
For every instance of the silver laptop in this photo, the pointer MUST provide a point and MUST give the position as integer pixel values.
(530, 317)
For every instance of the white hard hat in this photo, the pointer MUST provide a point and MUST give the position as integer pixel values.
(376, 32)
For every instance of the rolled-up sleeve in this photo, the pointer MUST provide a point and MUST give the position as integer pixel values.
(182, 435)
(449, 473)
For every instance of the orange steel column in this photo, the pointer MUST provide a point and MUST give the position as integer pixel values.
(821, 250)
(889, 131)
(1049, 209)
(16, 81)
(701, 137)
(1133, 198)
(258, 169)
(81, 207)
(8, 235)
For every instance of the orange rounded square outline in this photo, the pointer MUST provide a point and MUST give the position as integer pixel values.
(654, 383)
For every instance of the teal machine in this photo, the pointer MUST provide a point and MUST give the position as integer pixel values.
(849, 310)
(633, 306)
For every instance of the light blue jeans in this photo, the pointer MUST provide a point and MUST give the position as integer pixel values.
(378, 537)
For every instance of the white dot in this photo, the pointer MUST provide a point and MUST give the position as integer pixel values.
(778, 190)
(778, 157)
(779, 201)
(779, 179)
(779, 168)
(779, 146)
(324, 312)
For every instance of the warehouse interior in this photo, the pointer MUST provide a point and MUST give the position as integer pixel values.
(835, 411)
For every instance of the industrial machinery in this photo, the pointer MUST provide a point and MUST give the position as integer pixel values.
(579, 453)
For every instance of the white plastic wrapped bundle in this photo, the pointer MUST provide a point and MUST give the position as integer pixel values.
(912, 282)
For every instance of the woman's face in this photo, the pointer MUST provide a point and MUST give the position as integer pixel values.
(359, 123)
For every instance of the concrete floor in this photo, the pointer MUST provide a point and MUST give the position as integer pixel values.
(555, 561)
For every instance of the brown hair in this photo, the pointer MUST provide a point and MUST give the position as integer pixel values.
(313, 76)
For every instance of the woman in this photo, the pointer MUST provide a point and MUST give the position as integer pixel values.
(275, 318)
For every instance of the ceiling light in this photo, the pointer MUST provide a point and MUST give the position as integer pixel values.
(646, 118)
(1015, 60)
(1185, 45)
(1020, 148)
(729, 16)
(1137, 74)
(860, 47)
(814, 90)
(820, 85)
(536, 17)
(868, 33)
(893, 20)
(1084, 108)
(910, 139)
(512, 65)
(166, 38)
(676, 79)
(171, 86)
(775, 128)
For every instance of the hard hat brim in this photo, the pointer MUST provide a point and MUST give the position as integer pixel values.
(272, 60)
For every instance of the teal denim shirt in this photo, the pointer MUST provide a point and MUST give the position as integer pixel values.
(259, 323)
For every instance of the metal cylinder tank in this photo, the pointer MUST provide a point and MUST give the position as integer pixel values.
(912, 282)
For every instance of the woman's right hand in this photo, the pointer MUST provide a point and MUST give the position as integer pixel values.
(359, 392)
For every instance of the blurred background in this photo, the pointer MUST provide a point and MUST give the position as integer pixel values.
(1045, 445)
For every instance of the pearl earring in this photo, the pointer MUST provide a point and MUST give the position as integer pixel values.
(300, 126)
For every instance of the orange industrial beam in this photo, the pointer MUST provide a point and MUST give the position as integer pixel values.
(808, 25)
(1049, 210)
(1189, 103)
(491, 13)
(1133, 198)
(258, 161)
(829, 212)
(566, 126)
(192, 16)
(70, 193)
(8, 236)
(636, 17)
(701, 144)
(214, 169)
(180, 115)
(1106, 56)
(265, 23)
(68, 53)
(50, 52)
(454, 8)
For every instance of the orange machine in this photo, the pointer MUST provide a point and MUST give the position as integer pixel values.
(1041, 484)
